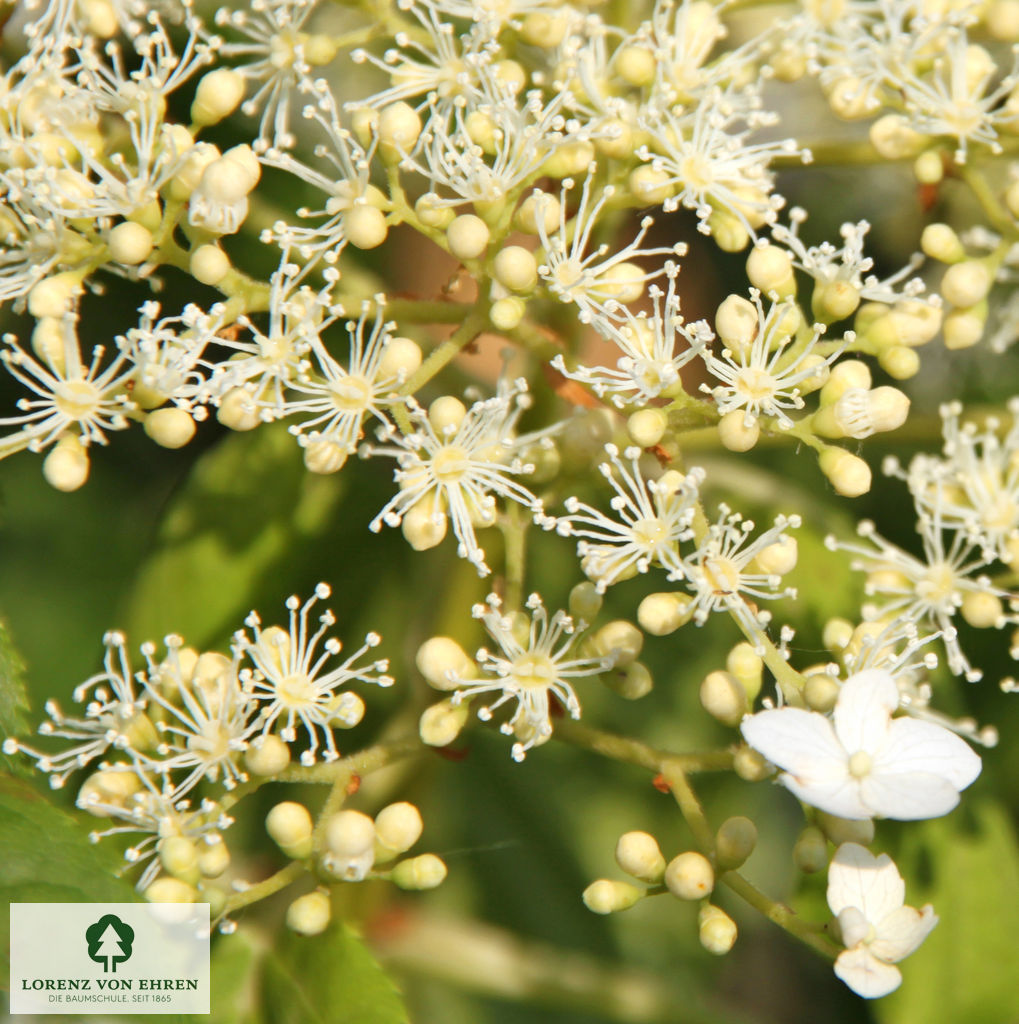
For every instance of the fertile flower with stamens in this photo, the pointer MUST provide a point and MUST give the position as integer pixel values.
(534, 663)
(291, 680)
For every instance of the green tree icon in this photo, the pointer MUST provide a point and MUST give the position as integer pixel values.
(109, 942)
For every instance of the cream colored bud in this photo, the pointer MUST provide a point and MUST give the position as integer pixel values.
(290, 826)
(170, 427)
(538, 208)
(398, 129)
(619, 639)
(941, 243)
(982, 610)
(66, 467)
(846, 830)
(618, 142)
(849, 373)
(650, 185)
(894, 139)
(848, 99)
(506, 313)
(424, 525)
(789, 62)
(834, 300)
(350, 845)
(467, 237)
(424, 872)
(267, 755)
(444, 663)
(365, 226)
(431, 214)
(635, 65)
(736, 322)
(179, 857)
(647, 427)
(929, 168)
(238, 411)
(107, 786)
(445, 415)
(546, 29)
(442, 723)
(310, 914)
(218, 95)
(607, 896)
(573, 156)
(398, 826)
(1002, 20)
(736, 434)
(820, 692)
(859, 413)
(209, 264)
(54, 296)
(771, 270)
(631, 682)
(899, 362)
(747, 667)
(963, 328)
(625, 282)
(723, 698)
(516, 268)
(638, 854)
(728, 231)
(848, 473)
(49, 342)
(749, 765)
(213, 856)
(810, 852)
(585, 602)
(170, 890)
(663, 613)
(965, 284)
(226, 181)
(779, 558)
(129, 243)
(837, 634)
(325, 456)
(734, 842)
(690, 876)
(400, 358)
(717, 931)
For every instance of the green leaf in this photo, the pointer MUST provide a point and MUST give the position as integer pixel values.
(246, 506)
(331, 978)
(46, 857)
(235, 962)
(961, 972)
(13, 695)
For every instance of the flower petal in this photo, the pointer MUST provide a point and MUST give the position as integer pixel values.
(907, 796)
(840, 796)
(863, 710)
(865, 974)
(802, 743)
(923, 747)
(902, 931)
(856, 878)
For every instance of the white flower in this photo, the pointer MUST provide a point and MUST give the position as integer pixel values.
(867, 895)
(864, 763)
(532, 666)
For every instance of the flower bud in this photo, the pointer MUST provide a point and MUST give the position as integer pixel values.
(663, 613)
(723, 698)
(747, 667)
(238, 411)
(728, 231)
(734, 432)
(267, 755)
(631, 682)
(941, 243)
(444, 663)
(734, 842)
(441, 723)
(170, 890)
(67, 465)
(506, 313)
(736, 322)
(467, 237)
(179, 857)
(820, 692)
(834, 300)
(290, 825)
(837, 634)
(690, 876)
(810, 853)
(516, 268)
(638, 854)
(538, 208)
(848, 473)
(350, 845)
(573, 156)
(845, 375)
(364, 226)
(894, 139)
(213, 856)
(608, 897)
(423, 525)
(585, 602)
(749, 765)
(129, 243)
(620, 639)
(398, 827)
(209, 264)
(310, 914)
(646, 427)
(859, 413)
(218, 95)
(965, 284)
(424, 872)
(650, 185)
(771, 270)
(54, 296)
(635, 65)
(845, 830)
(899, 362)
(716, 930)
(963, 328)
(546, 29)
(171, 427)
(779, 558)
(982, 610)
(398, 129)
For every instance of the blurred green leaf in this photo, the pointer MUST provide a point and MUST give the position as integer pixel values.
(13, 695)
(46, 857)
(965, 969)
(235, 963)
(329, 979)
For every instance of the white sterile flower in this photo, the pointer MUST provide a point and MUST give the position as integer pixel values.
(721, 575)
(600, 284)
(863, 763)
(655, 348)
(533, 665)
(764, 377)
(453, 473)
(71, 396)
(930, 591)
(867, 896)
(114, 719)
(286, 676)
(654, 517)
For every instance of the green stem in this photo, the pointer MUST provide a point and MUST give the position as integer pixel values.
(272, 884)
(690, 807)
(472, 326)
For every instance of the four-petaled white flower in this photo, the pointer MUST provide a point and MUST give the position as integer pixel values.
(863, 763)
(867, 896)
